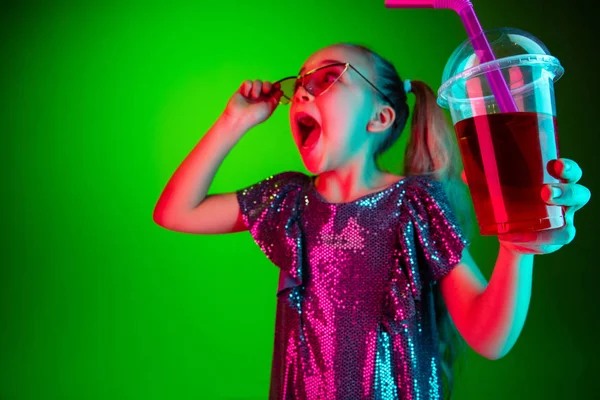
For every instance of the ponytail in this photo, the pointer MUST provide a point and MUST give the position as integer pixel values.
(432, 150)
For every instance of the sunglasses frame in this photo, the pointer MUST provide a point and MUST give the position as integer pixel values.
(346, 65)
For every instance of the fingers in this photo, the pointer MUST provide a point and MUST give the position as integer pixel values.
(266, 87)
(258, 88)
(566, 169)
(246, 87)
(566, 194)
(551, 237)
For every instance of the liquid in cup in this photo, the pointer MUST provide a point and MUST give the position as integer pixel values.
(505, 154)
(524, 143)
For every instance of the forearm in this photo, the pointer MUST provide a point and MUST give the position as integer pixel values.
(189, 184)
(498, 314)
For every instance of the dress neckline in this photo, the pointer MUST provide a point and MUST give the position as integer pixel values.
(389, 189)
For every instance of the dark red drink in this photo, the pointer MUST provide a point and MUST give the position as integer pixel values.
(506, 185)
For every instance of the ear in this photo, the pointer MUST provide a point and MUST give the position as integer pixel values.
(382, 119)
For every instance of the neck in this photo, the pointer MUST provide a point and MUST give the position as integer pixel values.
(352, 182)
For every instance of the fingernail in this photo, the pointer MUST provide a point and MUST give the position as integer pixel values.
(567, 166)
(556, 192)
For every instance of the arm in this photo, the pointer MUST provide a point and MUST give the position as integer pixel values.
(490, 316)
(184, 205)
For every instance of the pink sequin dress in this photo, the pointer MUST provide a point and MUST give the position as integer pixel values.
(355, 313)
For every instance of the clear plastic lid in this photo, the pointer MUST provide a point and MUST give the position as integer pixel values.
(511, 47)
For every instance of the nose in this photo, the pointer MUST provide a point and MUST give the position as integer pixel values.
(302, 94)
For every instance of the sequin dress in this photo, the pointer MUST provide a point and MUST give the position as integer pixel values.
(355, 313)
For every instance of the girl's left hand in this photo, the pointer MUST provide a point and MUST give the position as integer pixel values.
(572, 197)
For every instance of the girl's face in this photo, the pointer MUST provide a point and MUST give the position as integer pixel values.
(330, 130)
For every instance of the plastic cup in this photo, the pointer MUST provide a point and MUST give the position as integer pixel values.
(505, 154)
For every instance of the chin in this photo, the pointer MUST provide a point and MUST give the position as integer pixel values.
(315, 164)
(312, 166)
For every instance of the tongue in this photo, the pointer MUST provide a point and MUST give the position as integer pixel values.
(313, 137)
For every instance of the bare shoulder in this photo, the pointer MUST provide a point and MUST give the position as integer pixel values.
(391, 179)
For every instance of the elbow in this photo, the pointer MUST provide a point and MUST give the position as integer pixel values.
(158, 216)
(492, 356)
(501, 353)
(491, 353)
(488, 354)
(161, 211)
(487, 346)
(489, 342)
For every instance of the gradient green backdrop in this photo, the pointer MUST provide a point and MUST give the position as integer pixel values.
(100, 104)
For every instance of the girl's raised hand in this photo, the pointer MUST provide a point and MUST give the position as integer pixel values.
(253, 103)
(570, 195)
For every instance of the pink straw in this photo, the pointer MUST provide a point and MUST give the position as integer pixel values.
(482, 48)
(500, 89)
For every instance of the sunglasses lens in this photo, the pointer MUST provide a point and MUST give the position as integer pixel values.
(287, 89)
(320, 80)
(315, 83)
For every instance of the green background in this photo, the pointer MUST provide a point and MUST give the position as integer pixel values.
(100, 104)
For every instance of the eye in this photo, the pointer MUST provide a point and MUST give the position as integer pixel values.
(330, 77)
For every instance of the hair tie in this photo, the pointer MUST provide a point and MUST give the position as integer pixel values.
(407, 85)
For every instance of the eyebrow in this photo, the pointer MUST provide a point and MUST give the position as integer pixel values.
(321, 63)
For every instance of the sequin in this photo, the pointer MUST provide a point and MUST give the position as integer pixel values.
(355, 317)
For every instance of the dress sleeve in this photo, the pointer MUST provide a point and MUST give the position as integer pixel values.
(430, 244)
(436, 233)
(271, 211)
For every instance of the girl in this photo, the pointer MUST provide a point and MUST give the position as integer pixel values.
(377, 288)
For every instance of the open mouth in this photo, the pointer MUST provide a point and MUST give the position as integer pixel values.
(309, 129)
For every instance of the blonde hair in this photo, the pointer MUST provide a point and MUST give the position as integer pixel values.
(432, 151)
